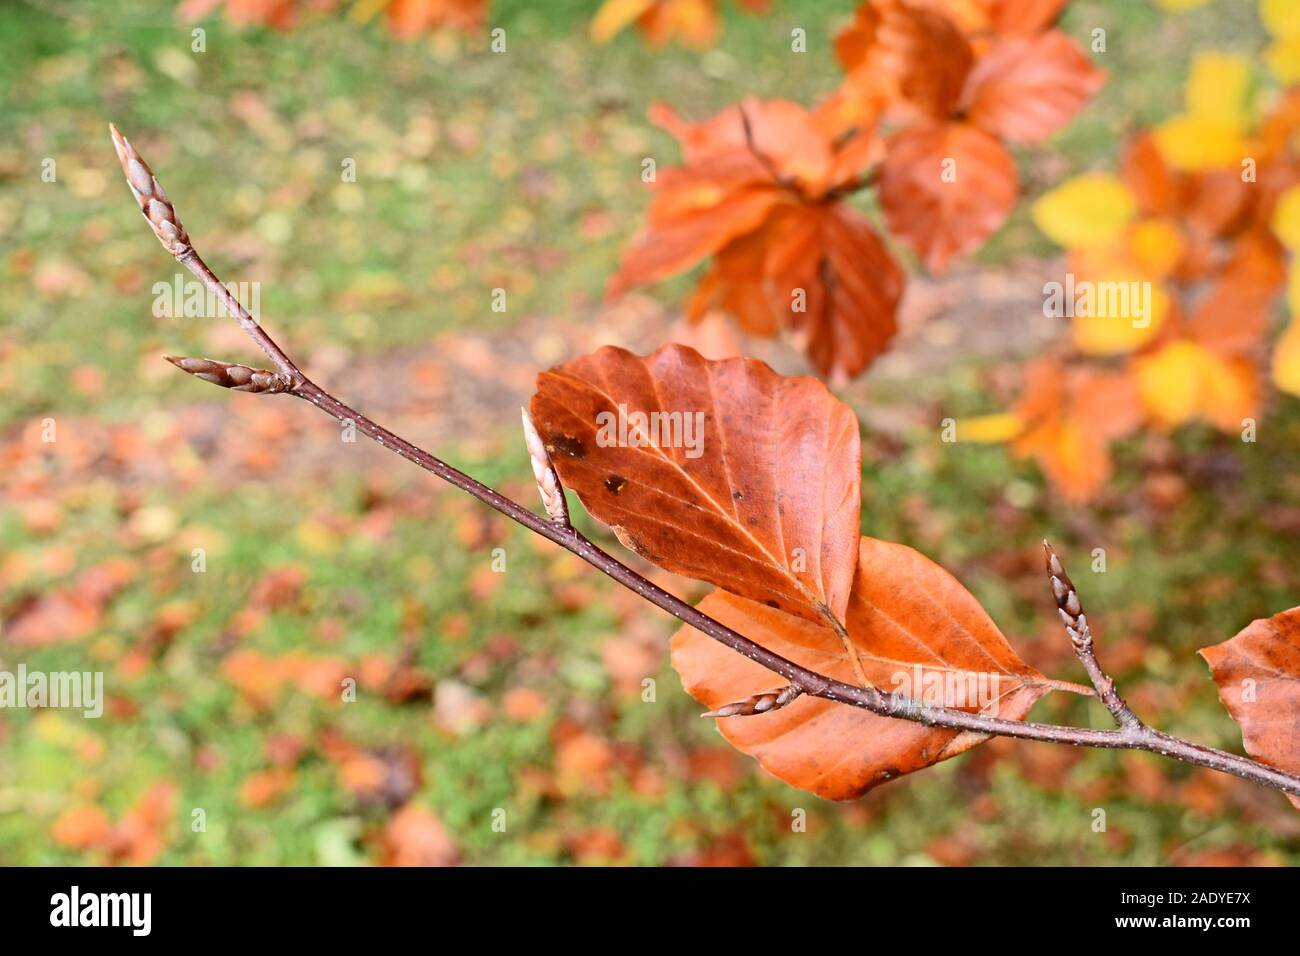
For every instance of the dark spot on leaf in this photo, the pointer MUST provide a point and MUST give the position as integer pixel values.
(562, 444)
(738, 495)
(615, 483)
(770, 603)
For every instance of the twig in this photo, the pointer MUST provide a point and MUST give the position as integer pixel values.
(1080, 634)
(171, 233)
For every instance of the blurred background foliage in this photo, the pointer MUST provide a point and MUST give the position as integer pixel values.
(519, 696)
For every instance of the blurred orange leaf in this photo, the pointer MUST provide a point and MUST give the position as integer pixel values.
(1258, 674)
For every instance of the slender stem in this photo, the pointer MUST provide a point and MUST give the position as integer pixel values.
(192, 261)
(167, 226)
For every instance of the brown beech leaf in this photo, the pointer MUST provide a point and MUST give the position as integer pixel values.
(1148, 177)
(945, 189)
(1258, 673)
(756, 489)
(1069, 415)
(1236, 312)
(1001, 17)
(915, 629)
(820, 270)
(1028, 87)
(917, 56)
(697, 211)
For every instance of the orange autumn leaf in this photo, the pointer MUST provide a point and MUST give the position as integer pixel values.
(81, 827)
(758, 194)
(413, 836)
(819, 270)
(1070, 416)
(1001, 17)
(276, 14)
(1153, 184)
(945, 189)
(71, 611)
(917, 57)
(404, 18)
(1183, 382)
(143, 832)
(915, 630)
(693, 23)
(962, 77)
(1028, 87)
(1258, 675)
(741, 478)
(410, 18)
(1236, 313)
(264, 787)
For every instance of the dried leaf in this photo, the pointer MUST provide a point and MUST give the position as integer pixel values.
(915, 629)
(1258, 674)
(1002, 17)
(945, 189)
(820, 270)
(1028, 87)
(918, 54)
(1184, 382)
(1071, 416)
(1286, 360)
(742, 478)
(1086, 210)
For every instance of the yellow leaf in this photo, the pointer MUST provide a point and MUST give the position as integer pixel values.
(1210, 133)
(1228, 392)
(991, 429)
(615, 15)
(1193, 142)
(1084, 211)
(1283, 58)
(366, 10)
(1293, 291)
(1116, 310)
(1286, 222)
(1218, 87)
(1280, 17)
(1286, 360)
(1157, 245)
(1168, 382)
(1184, 381)
(317, 537)
(1116, 306)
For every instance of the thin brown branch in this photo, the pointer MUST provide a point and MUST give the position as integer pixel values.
(806, 681)
(1080, 634)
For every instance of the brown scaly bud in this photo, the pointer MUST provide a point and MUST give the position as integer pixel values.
(763, 703)
(154, 204)
(548, 480)
(1067, 599)
(241, 378)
